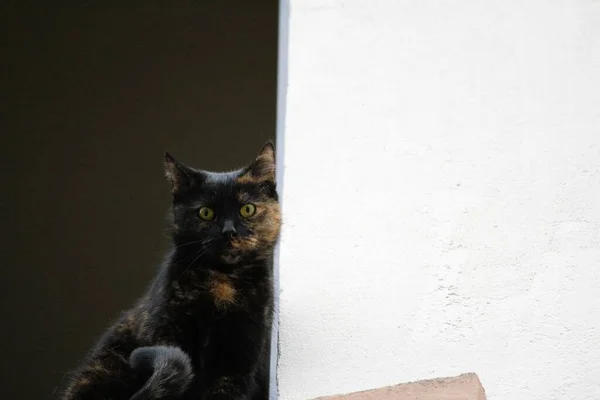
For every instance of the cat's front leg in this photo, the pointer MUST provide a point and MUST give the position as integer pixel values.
(237, 362)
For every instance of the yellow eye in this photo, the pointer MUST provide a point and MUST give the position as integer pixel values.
(247, 210)
(206, 213)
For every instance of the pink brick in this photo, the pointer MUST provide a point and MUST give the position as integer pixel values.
(463, 387)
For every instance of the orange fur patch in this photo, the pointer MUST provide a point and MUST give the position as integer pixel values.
(262, 169)
(223, 290)
(244, 243)
(246, 178)
(269, 230)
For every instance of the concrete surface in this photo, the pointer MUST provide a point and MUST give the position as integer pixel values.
(463, 387)
(441, 197)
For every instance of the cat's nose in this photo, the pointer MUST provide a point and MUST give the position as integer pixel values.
(229, 228)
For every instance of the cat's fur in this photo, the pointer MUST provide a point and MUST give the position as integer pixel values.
(202, 329)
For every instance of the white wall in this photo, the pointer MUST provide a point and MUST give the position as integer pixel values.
(442, 196)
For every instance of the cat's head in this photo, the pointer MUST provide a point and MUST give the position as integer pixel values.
(225, 217)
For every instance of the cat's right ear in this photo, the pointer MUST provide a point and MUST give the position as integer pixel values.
(178, 175)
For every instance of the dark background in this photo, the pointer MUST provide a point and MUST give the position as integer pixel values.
(91, 97)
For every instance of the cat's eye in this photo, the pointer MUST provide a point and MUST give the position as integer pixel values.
(206, 213)
(247, 210)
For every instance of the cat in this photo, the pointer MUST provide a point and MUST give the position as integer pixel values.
(202, 330)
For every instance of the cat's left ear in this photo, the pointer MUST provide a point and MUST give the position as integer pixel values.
(262, 168)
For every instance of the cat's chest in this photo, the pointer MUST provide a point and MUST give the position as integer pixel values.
(224, 319)
(226, 293)
(229, 302)
(222, 304)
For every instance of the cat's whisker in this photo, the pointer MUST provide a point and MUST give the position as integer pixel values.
(201, 242)
(199, 254)
(190, 243)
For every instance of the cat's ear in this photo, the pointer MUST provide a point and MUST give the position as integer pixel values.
(263, 167)
(178, 175)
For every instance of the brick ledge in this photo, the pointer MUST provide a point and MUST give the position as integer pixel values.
(462, 387)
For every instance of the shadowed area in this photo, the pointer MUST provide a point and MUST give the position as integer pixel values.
(93, 96)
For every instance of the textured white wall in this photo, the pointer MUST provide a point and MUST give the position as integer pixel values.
(442, 196)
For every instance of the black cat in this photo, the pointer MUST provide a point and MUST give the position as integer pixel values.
(202, 330)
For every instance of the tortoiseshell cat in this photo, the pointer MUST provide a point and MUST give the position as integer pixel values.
(202, 330)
